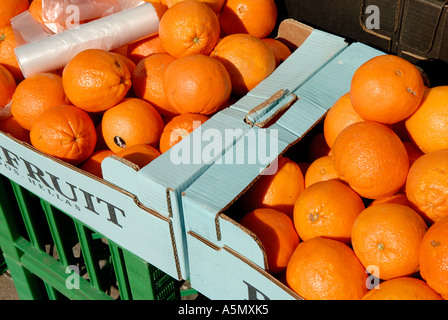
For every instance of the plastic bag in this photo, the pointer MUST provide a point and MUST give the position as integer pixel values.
(53, 52)
(60, 15)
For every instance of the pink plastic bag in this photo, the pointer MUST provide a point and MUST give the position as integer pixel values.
(59, 15)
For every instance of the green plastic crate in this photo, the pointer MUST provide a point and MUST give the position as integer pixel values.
(3, 266)
(52, 256)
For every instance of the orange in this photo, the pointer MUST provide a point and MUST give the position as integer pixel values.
(147, 82)
(427, 185)
(276, 232)
(93, 163)
(159, 6)
(138, 50)
(100, 143)
(278, 191)
(94, 80)
(427, 127)
(326, 269)
(317, 147)
(399, 198)
(321, 169)
(139, 154)
(189, 27)
(65, 132)
(388, 236)
(7, 55)
(413, 152)
(402, 288)
(7, 86)
(12, 127)
(125, 60)
(11, 8)
(327, 209)
(247, 59)
(132, 121)
(338, 117)
(386, 89)
(35, 10)
(197, 84)
(434, 257)
(256, 17)
(36, 94)
(279, 49)
(371, 159)
(178, 128)
(215, 5)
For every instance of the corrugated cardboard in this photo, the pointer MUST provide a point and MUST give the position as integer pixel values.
(416, 30)
(226, 260)
(140, 208)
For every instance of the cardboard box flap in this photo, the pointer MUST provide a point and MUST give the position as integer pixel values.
(318, 94)
(175, 169)
(206, 199)
(317, 49)
(236, 281)
(103, 206)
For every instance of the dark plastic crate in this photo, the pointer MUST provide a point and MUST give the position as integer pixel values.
(53, 256)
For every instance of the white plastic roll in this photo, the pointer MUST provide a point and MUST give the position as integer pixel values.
(116, 30)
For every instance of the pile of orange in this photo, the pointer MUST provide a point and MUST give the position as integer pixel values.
(371, 203)
(139, 100)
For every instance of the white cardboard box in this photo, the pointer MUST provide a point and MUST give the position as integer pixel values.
(226, 260)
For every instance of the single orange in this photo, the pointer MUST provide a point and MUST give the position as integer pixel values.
(247, 59)
(327, 209)
(132, 121)
(371, 159)
(256, 17)
(36, 94)
(7, 56)
(278, 191)
(215, 5)
(94, 80)
(11, 8)
(7, 86)
(326, 269)
(434, 257)
(138, 50)
(100, 143)
(413, 152)
(386, 89)
(321, 169)
(65, 132)
(276, 232)
(279, 49)
(147, 82)
(402, 288)
(317, 147)
(338, 117)
(428, 125)
(178, 128)
(388, 236)
(93, 163)
(12, 127)
(197, 84)
(427, 185)
(189, 27)
(139, 154)
(399, 198)
(124, 59)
